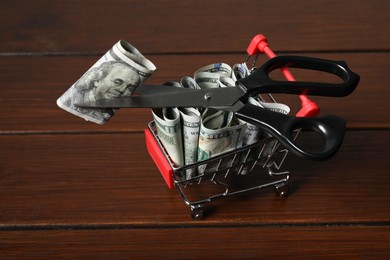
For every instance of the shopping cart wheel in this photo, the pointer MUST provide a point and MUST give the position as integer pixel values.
(281, 189)
(196, 213)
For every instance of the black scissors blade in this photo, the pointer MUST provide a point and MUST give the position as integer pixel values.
(167, 96)
(151, 89)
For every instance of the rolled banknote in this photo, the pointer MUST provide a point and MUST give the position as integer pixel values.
(240, 70)
(169, 132)
(226, 82)
(219, 132)
(172, 83)
(254, 134)
(219, 68)
(275, 107)
(190, 127)
(178, 129)
(209, 76)
(188, 82)
(207, 80)
(118, 73)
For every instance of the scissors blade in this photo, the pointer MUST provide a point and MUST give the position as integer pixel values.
(148, 89)
(221, 98)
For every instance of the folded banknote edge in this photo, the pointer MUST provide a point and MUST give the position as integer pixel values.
(72, 111)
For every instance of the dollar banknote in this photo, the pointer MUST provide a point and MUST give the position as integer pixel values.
(209, 76)
(240, 71)
(226, 82)
(219, 132)
(178, 129)
(190, 127)
(254, 134)
(118, 73)
(188, 82)
(169, 131)
(172, 83)
(219, 68)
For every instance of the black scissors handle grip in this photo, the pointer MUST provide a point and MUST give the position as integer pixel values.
(331, 128)
(260, 82)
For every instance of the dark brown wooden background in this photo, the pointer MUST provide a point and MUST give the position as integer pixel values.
(69, 188)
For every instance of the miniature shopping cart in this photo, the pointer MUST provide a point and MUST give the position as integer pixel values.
(264, 157)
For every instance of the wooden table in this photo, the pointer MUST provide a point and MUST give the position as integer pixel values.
(69, 188)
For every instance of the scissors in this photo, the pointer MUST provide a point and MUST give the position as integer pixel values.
(331, 128)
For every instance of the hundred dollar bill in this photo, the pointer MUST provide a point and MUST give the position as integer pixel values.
(279, 108)
(226, 82)
(219, 132)
(219, 68)
(190, 127)
(172, 84)
(254, 134)
(276, 107)
(118, 73)
(169, 132)
(182, 152)
(188, 82)
(209, 76)
(240, 71)
(207, 80)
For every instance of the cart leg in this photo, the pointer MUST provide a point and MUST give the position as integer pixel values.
(281, 189)
(196, 212)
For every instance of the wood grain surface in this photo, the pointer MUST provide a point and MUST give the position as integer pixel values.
(193, 26)
(74, 189)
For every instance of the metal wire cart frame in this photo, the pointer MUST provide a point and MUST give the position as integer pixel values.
(264, 157)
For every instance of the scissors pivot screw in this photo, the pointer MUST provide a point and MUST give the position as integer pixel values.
(207, 96)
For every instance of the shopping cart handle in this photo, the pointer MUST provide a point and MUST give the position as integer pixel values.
(331, 128)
